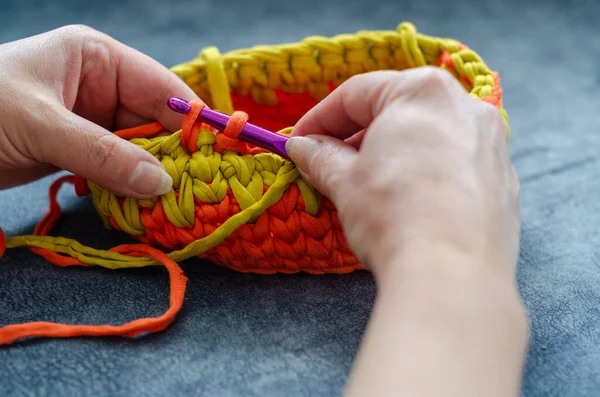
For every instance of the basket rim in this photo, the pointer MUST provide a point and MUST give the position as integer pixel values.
(316, 61)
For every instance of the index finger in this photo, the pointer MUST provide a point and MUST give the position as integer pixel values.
(354, 105)
(144, 85)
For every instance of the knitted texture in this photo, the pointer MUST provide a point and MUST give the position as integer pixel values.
(232, 203)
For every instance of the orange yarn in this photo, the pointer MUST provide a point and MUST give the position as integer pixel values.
(290, 107)
(190, 128)
(12, 333)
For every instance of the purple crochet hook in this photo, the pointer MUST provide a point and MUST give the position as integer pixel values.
(251, 133)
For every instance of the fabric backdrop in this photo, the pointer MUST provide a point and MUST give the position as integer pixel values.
(297, 335)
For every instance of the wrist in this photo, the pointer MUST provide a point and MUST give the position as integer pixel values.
(442, 315)
(453, 287)
(438, 262)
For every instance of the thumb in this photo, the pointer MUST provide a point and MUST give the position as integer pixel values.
(324, 161)
(88, 150)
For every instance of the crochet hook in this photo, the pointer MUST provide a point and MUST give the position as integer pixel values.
(251, 133)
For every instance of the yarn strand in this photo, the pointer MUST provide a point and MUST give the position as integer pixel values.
(11, 333)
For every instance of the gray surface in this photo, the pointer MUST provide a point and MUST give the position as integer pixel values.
(297, 335)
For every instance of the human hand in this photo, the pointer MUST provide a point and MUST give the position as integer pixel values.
(420, 174)
(63, 91)
(423, 164)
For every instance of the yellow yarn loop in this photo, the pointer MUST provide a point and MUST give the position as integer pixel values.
(217, 80)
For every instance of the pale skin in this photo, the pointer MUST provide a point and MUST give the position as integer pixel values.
(418, 170)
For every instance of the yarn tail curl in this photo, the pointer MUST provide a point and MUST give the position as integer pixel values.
(48, 248)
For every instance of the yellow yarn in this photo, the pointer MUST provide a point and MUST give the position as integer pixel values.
(309, 65)
(286, 175)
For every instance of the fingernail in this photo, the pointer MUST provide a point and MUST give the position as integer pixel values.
(148, 179)
(301, 149)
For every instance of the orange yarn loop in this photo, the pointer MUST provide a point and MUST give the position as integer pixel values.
(236, 124)
(226, 140)
(12, 333)
(191, 127)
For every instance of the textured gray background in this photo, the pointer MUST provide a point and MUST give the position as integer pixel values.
(297, 335)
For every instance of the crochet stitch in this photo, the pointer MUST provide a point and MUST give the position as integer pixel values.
(232, 203)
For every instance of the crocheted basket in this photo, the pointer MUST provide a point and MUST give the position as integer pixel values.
(258, 213)
(232, 203)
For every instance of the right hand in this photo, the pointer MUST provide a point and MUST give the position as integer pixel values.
(420, 174)
(413, 164)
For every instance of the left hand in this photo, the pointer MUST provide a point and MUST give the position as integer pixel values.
(62, 92)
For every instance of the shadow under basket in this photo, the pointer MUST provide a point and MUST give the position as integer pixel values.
(232, 203)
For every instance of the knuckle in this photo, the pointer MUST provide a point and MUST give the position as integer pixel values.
(490, 116)
(371, 78)
(76, 34)
(354, 79)
(105, 155)
(326, 177)
(491, 112)
(327, 174)
(36, 142)
(364, 77)
(434, 80)
(434, 76)
(77, 31)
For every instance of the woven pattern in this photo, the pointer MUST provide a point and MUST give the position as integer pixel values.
(275, 85)
(287, 226)
(231, 203)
